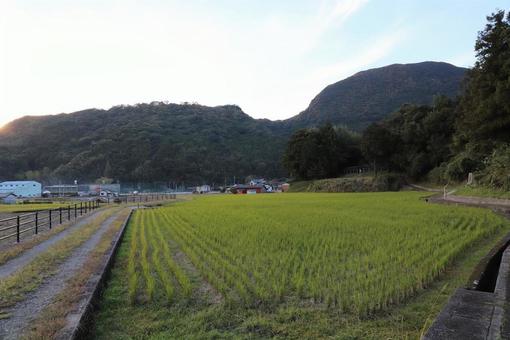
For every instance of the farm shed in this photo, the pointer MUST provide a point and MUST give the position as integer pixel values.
(21, 188)
(8, 198)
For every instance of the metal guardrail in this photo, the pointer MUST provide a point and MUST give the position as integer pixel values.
(24, 223)
(43, 218)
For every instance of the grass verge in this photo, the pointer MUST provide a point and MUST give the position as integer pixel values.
(482, 192)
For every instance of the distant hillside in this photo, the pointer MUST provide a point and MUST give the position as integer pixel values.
(146, 142)
(371, 95)
(195, 144)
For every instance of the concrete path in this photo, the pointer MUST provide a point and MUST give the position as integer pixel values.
(23, 312)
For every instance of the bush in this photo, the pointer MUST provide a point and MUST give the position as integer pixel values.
(496, 173)
(460, 166)
(388, 182)
(438, 175)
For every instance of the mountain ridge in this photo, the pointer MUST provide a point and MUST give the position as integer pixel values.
(192, 143)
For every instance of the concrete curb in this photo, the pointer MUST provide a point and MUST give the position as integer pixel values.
(473, 314)
(78, 321)
(480, 311)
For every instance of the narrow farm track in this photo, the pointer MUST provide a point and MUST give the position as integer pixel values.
(26, 257)
(20, 315)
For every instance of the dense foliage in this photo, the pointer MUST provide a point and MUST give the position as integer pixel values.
(321, 152)
(414, 140)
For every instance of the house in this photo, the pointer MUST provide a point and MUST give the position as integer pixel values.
(8, 198)
(202, 189)
(21, 188)
(250, 189)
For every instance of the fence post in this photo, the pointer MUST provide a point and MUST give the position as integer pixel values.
(75, 211)
(36, 221)
(60, 214)
(49, 218)
(68, 212)
(17, 229)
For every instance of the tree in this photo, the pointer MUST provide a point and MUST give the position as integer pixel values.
(378, 145)
(485, 104)
(320, 153)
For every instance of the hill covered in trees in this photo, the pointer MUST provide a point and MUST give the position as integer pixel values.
(370, 96)
(143, 143)
(191, 143)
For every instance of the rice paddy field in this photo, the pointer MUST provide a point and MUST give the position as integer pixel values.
(374, 265)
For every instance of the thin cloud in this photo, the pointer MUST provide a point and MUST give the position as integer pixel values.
(380, 48)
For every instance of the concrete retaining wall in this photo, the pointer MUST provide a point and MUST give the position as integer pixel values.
(471, 314)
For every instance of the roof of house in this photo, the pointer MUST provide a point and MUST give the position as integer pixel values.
(20, 182)
(248, 186)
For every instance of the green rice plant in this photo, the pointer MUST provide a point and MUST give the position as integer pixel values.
(156, 260)
(144, 259)
(358, 253)
(181, 277)
(133, 250)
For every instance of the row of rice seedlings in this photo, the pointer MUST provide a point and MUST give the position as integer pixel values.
(228, 273)
(144, 261)
(216, 251)
(176, 270)
(200, 262)
(164, 276)
(132, 260)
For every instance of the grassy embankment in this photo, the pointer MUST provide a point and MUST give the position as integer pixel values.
(29, 207)
(15, 287)
(482, 192)
(297, 265)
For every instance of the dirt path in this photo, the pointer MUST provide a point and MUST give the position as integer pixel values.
(23, 312)
(26, 257)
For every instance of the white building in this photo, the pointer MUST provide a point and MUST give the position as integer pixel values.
(22, 188)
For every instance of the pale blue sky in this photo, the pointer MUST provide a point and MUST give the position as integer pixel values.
(269, 57)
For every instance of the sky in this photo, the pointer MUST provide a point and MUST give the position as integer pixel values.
(269, 57)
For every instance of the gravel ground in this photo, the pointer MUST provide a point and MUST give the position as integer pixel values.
(22, 313)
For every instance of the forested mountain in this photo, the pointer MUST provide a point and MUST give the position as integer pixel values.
(371, 95)
(146, 142)
(191, 143)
